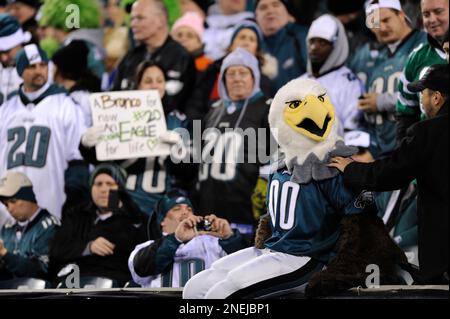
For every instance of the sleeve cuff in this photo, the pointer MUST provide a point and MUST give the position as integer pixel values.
(172, 241)
(87, 250)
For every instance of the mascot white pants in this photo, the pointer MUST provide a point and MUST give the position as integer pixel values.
(252, 273)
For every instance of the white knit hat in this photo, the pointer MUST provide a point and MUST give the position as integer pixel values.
(11, 34)
(324, 27)
(192, 20)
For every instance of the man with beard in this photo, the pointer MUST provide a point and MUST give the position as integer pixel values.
(40, 130)
(378, 105)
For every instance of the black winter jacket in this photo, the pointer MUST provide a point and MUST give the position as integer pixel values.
(124, 229)
(422, 155)
(176, 61)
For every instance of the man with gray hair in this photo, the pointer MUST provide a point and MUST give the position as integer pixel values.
(149, 24)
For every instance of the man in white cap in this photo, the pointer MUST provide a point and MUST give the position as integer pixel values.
(24, 241)
(40, 130)
(327, 54)
(394, 33)
(12, 39)
(393, 29)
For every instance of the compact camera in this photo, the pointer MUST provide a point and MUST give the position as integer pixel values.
(204, 225)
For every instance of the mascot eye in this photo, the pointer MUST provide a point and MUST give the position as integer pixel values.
(294, 104)
(321, 98)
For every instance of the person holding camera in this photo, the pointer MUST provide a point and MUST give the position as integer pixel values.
(99, 236)
(182, 244)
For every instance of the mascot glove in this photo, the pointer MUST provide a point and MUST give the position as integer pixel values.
(92, 136)
(170, 137)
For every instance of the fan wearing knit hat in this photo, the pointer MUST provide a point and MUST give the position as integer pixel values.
(98, 236)
(327, 54)
(392, 28)
(248, 35)
(12, 38)
(11, 33)
(178, 237)
(188, 31)
(41, 108)
(30, 55)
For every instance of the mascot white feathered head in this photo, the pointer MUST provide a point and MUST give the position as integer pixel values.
(303, 121)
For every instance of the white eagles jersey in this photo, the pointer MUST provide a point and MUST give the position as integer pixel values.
(196, 255)
(344, 88)
(39, 141)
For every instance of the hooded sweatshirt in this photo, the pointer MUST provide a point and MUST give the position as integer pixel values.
(239, 56)
(226, 188)
(342, 85)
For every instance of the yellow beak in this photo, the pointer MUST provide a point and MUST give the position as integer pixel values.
(313, 117)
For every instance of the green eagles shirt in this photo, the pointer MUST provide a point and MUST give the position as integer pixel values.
(420, 59)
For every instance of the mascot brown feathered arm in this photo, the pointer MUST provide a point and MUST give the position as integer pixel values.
(363, 241)
(263, 232)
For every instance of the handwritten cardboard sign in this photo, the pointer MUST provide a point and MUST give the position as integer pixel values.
(133, 122)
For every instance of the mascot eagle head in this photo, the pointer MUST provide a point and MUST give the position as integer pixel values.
(303, 121)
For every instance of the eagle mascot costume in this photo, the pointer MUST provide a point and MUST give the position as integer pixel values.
(303, 122)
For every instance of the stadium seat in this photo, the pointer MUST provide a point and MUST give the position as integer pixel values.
(93, 282)
(25, 283)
